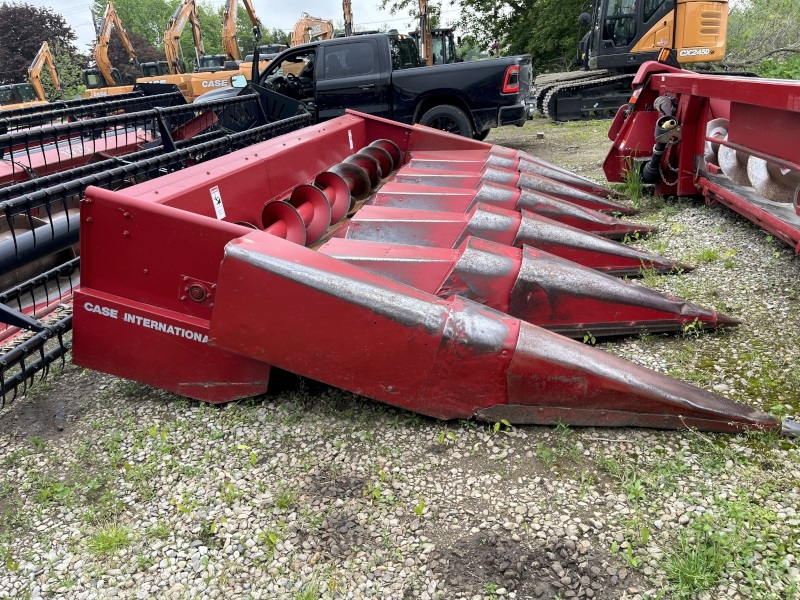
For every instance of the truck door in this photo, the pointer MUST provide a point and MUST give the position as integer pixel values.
(352, 77)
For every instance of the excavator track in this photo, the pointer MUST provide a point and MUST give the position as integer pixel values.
(587, 98)
(544, 83)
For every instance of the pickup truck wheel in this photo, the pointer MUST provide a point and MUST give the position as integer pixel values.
(448, 118)
(481, 135)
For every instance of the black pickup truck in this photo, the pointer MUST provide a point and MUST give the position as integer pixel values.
(381, 74)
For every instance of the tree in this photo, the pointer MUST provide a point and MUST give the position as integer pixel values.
(145, 52)
(546, 29)
(24, 29)
(765, 35)
(146, 18)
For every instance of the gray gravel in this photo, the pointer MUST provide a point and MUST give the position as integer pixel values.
(113, 489)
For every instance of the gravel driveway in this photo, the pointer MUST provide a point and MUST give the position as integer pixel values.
(113, 489)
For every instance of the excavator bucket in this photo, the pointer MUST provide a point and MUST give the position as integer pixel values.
(202, 281)
(729, 138)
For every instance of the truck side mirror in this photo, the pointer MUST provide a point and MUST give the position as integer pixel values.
(238, 81)
(585, 20)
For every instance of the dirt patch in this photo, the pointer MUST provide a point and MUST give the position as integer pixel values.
(558, 567)
(51, 407)
(340, 486)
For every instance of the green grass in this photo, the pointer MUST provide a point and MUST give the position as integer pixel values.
(706, 255)
(285, 498)
(696, 565)
(109, 539)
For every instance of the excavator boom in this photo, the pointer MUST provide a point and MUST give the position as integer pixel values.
(43, 57)
(111, 21)
(310, 28)
(186, 11)
(425, 33)
(229, 40)
(348, 18)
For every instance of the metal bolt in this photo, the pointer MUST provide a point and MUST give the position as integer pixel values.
(126, 233)
(88, 219)
(146, 271)
(183, 297)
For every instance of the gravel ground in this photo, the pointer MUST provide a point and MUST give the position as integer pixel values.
(113, 489)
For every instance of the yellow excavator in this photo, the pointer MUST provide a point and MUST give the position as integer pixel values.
(229, 41)
(211, 71)
(43, 57)
(105, 75)
(622, 35)
(348, 18)
(436, 46)
(185, 12)
(309, 29)
(15, 95)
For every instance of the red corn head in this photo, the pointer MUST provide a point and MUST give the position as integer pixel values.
(447, 358)
(488, 222)
(513, 180)
(461, 200)
(506, 158)
(538, 287)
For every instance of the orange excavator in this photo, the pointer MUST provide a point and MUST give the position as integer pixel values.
(436, 46)
(105, 74)
(348, 18)
(623, 35)
(43, 57)
(229, 41)
(310, 28)
(211, 71)
(186, 11)
(15, 95)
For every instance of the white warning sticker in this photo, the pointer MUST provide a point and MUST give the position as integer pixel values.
(216, 198)
(350, 138)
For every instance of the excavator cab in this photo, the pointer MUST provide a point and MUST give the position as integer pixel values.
(155, 69)
(93, 79)
(212, 62)
(443, 45)
(626, 33)
(17, 93)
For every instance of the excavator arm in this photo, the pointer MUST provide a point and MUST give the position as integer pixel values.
(348, 18)
(310, 28)
(110, 22)
(35, 70)
(229, 41)
(425, 42)
(186, 11)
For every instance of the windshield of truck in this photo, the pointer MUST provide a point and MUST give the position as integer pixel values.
(405, 54)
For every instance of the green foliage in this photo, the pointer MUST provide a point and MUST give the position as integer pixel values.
(109, 539)
(759, 28)
(546, 29)
(24, 29)
(787, 68)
